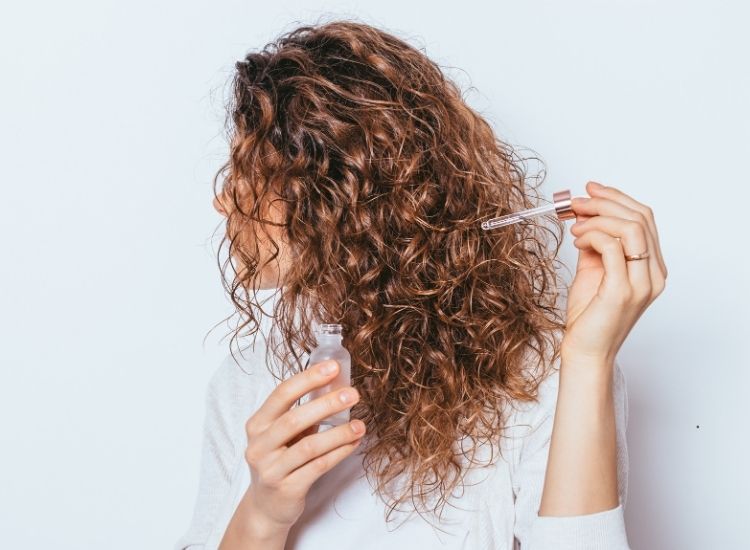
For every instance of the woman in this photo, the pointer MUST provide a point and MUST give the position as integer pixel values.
(354, 192)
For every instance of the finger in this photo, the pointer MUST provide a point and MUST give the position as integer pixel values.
(596, 206)
(306, 475)
(607, 207)
(315, 445)
(290, 390)
(309, 431)
(615, 281)
(288, 425)
(632, 236)
(613, 193)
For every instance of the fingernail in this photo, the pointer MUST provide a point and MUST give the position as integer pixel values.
(596, 184)
(329, 368)
(357, 426)
(346, 396)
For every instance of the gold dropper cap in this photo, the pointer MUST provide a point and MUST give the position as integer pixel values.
(563, 205)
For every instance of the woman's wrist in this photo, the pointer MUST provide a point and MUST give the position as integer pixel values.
(594, 374)
(250, 529)
(574, 360)
(588, 383)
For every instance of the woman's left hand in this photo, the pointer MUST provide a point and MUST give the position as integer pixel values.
(608, 294)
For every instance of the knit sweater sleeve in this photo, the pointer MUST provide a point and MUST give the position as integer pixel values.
(604, 530)
(228, 400)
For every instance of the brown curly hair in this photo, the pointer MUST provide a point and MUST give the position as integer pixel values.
(383, 174)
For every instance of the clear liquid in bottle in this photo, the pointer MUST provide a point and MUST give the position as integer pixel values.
(330, 347)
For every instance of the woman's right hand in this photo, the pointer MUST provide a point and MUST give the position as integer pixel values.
(285, 453)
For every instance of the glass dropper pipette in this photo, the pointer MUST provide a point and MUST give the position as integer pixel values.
(561, 206)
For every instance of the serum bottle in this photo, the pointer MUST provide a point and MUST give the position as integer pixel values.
(330, 347)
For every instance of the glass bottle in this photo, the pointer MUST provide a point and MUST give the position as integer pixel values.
(329, 347)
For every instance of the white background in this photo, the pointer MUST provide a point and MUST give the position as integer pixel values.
(111, 132)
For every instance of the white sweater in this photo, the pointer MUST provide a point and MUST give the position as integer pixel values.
(496, 510)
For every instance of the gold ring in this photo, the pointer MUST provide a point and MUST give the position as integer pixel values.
(641, 256)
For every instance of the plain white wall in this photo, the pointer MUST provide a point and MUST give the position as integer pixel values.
(111, 132)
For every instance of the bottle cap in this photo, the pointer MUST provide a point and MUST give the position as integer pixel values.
(563, 205)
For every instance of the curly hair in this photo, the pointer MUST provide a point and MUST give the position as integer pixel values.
(384, 174)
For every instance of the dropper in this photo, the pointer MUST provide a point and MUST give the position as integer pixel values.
(561, 205)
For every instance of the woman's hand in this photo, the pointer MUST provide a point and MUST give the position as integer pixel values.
(286, 455)
(606, 298)
(608, 293)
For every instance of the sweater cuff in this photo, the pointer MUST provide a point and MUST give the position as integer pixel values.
(599, 531)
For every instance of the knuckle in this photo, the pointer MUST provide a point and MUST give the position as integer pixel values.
(251, 457)
(307, 447)
(658, 286)
(251, 429)
(612, 245)
(622, 295)
(635, 229)
(291, 421)
(642, 295)
(320, 463)
(268, 479)
(284, 391)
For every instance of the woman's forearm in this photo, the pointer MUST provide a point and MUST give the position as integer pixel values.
(581, 475)
(248, 531)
